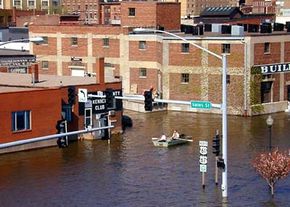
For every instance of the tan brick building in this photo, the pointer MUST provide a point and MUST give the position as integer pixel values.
(177, 69)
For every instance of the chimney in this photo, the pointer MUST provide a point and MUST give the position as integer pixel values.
(100, 70)
(33, 70)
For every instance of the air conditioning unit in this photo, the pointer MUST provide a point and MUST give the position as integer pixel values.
(237, 30)
(216, 28)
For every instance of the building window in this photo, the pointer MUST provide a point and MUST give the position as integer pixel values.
(185, 47)
(74, 41)
(17, 2)
(266, 91)
(44, 64)
(106, 42)
(226, 48)
(266, 47)
(143, 72)
(142, 45)
(45, 40)
(184, 78)
(31, 3)
(131, 12)
(21, 120)
(44, 4)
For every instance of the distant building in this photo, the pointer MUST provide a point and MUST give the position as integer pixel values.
(49, 6)
(259, 7)
(191, 8)
(231, 15)
(257, 57)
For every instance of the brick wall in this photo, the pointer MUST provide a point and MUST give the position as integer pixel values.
(151, 14)
(45, 106)
(145, 14)
(176, 57)
(168, 15)
(153, 51)
(184, 91)
(113, 50)
(144, 83)
(263, 58)
(287, 52)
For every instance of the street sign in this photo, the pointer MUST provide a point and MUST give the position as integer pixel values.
(203, 168)
(203, 156)
(83, 95)
(201, 104)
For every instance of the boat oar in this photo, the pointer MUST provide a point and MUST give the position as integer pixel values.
(189, 140)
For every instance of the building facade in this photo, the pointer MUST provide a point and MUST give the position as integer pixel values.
(49, 6)
(31, 109)
(178, 70)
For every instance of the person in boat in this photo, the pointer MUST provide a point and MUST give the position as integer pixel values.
(162, 138)
(175, 135)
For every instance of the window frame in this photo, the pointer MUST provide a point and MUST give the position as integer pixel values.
(15, 115)
(142, 72)
(74, 41)
(106, 42)
(44, 64)
(185, 47)
(267, 48)
(184, 78)
(226, 48)
(142, 45)
(30, 1)
(131, 12)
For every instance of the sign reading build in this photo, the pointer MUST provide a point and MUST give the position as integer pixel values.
(275, 68)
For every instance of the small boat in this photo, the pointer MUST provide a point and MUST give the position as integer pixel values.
(170, 142)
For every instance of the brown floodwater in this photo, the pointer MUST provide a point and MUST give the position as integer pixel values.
(130, 171)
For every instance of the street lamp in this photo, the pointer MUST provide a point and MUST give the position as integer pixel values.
(269, 122)
(36, 40)
(223, 58)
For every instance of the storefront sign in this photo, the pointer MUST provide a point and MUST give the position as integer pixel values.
(13, 62)
(275, 68)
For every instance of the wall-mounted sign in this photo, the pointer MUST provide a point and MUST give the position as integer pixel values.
(14, 62)
(78, 59)
(275, 68)
(83, 95)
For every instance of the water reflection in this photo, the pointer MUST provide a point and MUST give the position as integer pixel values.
(130, 171)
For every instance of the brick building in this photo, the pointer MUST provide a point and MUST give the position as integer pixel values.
(31, 109)
(193, 8)
(177, 69)
(48, 6)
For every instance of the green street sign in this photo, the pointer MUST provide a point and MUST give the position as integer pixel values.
(201, 104)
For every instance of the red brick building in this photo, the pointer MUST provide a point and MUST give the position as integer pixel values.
(177, 69)
(31, 109)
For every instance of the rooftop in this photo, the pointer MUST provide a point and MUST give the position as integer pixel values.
(11, 82)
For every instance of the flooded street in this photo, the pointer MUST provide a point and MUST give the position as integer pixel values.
(130, 171)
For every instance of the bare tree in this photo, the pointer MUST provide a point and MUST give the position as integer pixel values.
(272, 166)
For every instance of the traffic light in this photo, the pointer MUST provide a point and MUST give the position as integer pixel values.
(221, 163)
(71, 95)
(60, 127)
(148, 101)
(216, 145)
(109, 98)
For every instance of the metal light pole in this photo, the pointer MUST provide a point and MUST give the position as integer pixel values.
(224, 186)
(269, 122)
